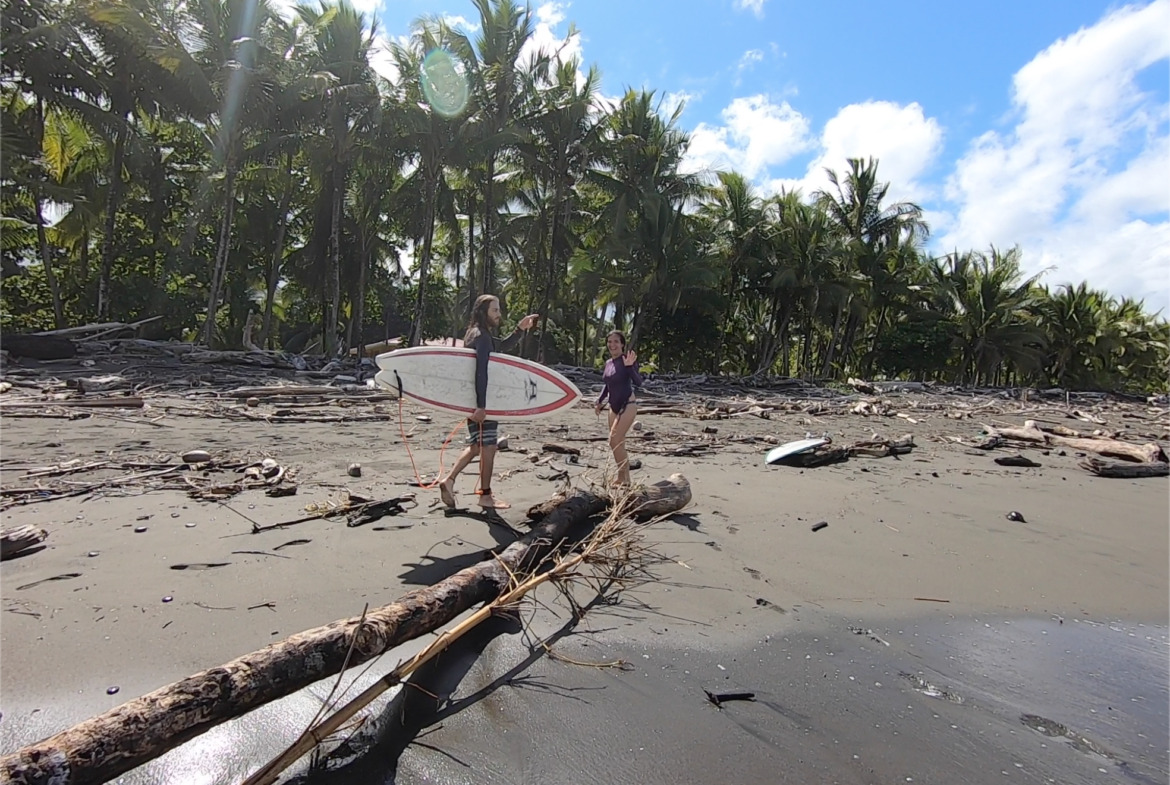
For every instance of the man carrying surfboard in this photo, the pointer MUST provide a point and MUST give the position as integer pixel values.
(482, 434)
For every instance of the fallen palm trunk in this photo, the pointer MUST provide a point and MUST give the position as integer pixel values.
(1125, 470)
(1031, 433)
(140, 730)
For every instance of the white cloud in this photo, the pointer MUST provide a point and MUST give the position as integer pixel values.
(371, 8)
(1079, 181)
(903, 139)
(380, 59)
(750, 58)
(461, 23)
(755, 6)
(672, 101)
(545, 38)
(756, 134)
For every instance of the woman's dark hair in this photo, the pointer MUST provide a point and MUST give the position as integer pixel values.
(619, 334)
(479, 311)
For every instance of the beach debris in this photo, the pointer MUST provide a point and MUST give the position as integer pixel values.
(1015, 516)
(20, 539)
(816, 527)
(281, 490)
(252, 402)
(112, 690)
(359, 510)
(196, 456)
(168, 598)
(1017, 460)
(873, 636)
(503, 444)
(559, 448)
(929, 599)
(139, 529)
(354, 470)
(719, 698)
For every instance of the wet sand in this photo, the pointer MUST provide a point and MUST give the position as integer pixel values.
(1063, 617)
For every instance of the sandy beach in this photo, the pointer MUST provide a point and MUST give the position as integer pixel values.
(921, 636)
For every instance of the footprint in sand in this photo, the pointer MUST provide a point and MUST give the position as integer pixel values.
(754, 573)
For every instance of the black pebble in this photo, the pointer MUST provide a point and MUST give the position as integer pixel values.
(111, 691)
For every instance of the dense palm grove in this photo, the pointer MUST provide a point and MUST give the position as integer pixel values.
(189, 158)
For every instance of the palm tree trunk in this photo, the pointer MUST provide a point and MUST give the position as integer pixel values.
(487, 273)
(333, 274)
(827, 360)
(553, 269)
(470, 253)
(221, 254)
(416, 327)
(277, 251)
(358, 304)
(113, 202)
(47, 263)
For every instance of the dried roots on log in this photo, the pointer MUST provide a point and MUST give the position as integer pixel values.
(20, 539)
(102, 747)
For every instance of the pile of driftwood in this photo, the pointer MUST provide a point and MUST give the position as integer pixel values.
(103, 747)
(198, 473)
(1135, 460)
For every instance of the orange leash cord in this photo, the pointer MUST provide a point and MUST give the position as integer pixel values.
(442, 450)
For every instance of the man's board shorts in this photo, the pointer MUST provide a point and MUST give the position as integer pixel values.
(485, 433)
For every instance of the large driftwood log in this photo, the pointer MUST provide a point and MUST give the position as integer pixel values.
(38, 347)
(1125, 470)
(140, 730)
(1032, 433)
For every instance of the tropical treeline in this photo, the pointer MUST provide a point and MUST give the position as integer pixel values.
(215, 163)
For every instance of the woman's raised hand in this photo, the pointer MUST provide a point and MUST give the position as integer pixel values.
(629, 358)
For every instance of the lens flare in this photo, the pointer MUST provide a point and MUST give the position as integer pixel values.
(443, 85)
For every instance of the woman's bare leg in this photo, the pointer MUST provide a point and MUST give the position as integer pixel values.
(619, 426)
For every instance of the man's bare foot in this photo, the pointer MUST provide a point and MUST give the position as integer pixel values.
(489, 502)
(446, 494)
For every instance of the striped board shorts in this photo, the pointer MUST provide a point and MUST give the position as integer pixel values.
(485, 433)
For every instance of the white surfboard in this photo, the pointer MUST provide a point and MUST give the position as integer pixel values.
(777, 454)
(443, 378)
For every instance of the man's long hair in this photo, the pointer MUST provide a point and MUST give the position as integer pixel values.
(478, 321)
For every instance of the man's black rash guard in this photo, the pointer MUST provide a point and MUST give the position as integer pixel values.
(483, 350)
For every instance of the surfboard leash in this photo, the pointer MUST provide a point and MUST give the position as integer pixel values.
(406, 443)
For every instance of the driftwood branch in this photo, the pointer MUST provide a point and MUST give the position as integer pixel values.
(1032, 433)
(103, 747)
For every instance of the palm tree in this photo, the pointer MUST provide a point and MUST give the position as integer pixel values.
(558, 145)
(340, 58)
(871, 229)
(992, 300)
(499, 96)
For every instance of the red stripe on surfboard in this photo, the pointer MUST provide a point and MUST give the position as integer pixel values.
(538, 370)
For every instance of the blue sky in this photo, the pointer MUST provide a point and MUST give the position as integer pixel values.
(1042, 123)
